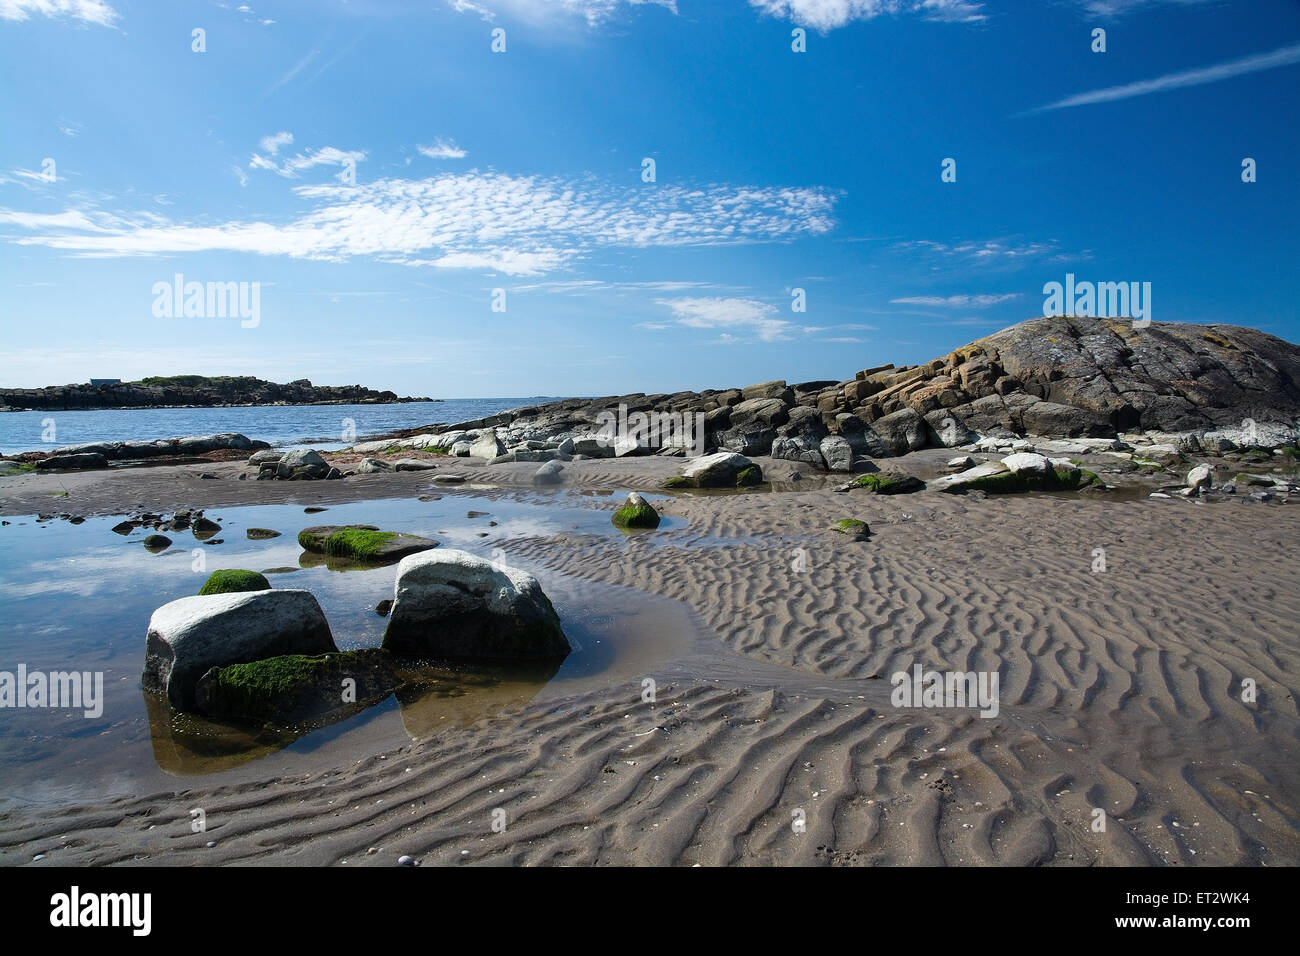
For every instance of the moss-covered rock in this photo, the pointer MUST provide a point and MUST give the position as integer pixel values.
(636, 512)
(228, 580)
(853, 528)
(887, 483)
(676, 481)
(261, 534)
(361, 542)
(296, 687)
(751, 475)
(1013, 482)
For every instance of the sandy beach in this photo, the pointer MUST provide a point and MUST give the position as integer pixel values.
(1121, 691)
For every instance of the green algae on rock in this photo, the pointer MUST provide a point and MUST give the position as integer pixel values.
(228, 580)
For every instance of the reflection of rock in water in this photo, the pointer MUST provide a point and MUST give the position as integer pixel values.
(186, 745)
(309, 559)
(435, 699)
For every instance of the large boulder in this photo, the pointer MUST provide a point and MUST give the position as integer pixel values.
(838, 453)
(362, 542)
(301, 463)
(799, 448)
(188, 636)
(901, 431)
(721, 470)
(455, 605)
(487, 446)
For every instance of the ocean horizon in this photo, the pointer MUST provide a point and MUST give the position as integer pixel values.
(321, 426)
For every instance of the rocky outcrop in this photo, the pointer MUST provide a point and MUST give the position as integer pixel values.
(1067, 379)
(194, 390)
(450, 604)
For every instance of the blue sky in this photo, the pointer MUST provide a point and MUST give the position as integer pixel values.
(379, 171)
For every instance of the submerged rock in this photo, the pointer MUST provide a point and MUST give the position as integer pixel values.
(452, 604)
(291, 688)
(188, 637)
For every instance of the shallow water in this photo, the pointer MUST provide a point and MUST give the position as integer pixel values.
(323, 425)
(79, 597)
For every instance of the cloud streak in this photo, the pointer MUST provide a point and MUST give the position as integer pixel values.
(88, 11)
(517, 225)
(1283, 56)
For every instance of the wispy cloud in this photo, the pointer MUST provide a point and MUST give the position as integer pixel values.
(957, 301)
(1284, 56)
(823, 15)
(747, 315)
(442, 149)
(88, 11)
(595, 12)
(518, 225)
(294, 165)
(986, 250)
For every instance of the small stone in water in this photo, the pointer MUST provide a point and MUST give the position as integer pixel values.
(406, 861)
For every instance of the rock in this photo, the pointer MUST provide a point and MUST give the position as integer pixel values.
(961, 463)
(720, 470)
(852, 528)
(157, 543)
(261, 534)
(301, 463)
(234, 580)
(885, 483)
(414, 464)
(1202, 476)
(79, 462)
(362, 542)
(203, 528)
(798, 448)
(771, 390)
(454, 605)
(369, 466)
(837, 452)
(332, 475)
(901, 431)
(636, 512)
(383, 607)
(189, 636)
(550, 473)
(124, 527)
(960, 480)
(289, 689)
(1027, 461)
(449, 479)
(461, 449)
(1160, 454)
(488, 446)
(266, 456)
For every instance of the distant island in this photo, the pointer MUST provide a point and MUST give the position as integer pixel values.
(182, 391)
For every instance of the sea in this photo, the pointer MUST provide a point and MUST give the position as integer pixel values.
(320, 426)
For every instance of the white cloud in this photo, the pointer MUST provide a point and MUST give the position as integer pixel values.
(957, 301)
(520, 225)
(594, 12)
(723, 313)
(88, 11)
(984, 250)
(294, 165)
(1283, 56)
(826, 15)
(442, 149)
(271, 144)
